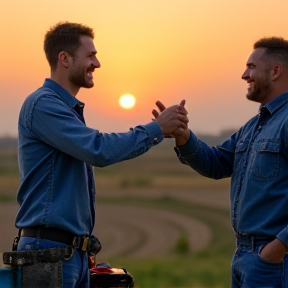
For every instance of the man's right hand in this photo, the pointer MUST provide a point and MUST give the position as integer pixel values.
(171, 118)
(181, 133)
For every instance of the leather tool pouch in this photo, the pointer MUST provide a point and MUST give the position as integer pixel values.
(37, 268)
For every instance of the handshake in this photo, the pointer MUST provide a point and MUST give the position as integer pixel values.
(173, 122)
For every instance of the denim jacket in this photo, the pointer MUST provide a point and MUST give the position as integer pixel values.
(256, 159)
(56, 154)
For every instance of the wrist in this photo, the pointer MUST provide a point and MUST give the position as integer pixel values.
(182, 139)
(280, 244)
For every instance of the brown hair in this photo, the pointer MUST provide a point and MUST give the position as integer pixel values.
(276, 49)
(64, 36)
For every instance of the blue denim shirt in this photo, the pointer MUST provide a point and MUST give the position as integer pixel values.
(56, 155)
(256, 159)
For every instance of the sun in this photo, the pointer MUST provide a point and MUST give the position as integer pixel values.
(127, 101)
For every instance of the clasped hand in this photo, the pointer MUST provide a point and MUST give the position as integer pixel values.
(173, 121)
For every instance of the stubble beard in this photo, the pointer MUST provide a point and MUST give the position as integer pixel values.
(260, 90)
(77, 77)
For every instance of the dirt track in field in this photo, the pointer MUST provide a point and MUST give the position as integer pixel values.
(142, 232)
(135, 231)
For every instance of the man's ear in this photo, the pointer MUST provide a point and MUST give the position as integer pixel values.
(276, 72)
(63, 58)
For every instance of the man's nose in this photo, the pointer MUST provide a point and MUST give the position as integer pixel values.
(96, 63)
(245, 75)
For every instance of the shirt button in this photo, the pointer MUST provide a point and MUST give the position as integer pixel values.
(155, 140)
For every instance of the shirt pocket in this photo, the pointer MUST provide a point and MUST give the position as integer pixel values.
(265, 160)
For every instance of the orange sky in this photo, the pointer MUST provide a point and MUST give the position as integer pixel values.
(154, 49)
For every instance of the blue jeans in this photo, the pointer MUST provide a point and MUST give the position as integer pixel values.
(249, 270)
(75, 270)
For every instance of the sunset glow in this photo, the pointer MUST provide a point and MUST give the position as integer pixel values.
(163, 50)
(127, 101)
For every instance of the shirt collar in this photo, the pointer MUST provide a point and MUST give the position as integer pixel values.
(63, 93)
(276, 103)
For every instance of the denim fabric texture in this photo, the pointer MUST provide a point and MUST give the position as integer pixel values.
(249, 270)
(74, 271)
(56, 154)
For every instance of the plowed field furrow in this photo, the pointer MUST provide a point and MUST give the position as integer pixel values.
(162, 229)
(217, 199)
(120, 237)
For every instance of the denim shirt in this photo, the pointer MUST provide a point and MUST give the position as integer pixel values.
(56, 154)
(256, 159)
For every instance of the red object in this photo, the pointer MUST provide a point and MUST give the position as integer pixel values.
(101, 270)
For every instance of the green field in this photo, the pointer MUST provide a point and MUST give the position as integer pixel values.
(158, 170)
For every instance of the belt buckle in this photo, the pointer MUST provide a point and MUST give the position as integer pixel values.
(85, 244)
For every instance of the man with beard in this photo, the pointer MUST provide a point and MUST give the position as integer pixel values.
(57, 151)
(256, 159)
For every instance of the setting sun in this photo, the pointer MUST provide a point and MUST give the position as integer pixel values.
(127, 101)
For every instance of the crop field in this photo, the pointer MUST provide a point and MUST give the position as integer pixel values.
(167, 225)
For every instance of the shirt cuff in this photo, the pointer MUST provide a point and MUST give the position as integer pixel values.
(189, 148)
(283, 236)
(154, 131)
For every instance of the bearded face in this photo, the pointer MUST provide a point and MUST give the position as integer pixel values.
(258, 77)
(81, 76)
(83, 63)
(259, 87)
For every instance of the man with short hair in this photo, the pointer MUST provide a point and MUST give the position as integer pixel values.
(256, 159)
(57, 151)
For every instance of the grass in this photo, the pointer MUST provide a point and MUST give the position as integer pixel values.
(182, 272)
(182, 245)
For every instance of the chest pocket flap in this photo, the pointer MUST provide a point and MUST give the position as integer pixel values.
(272, 146)
(265, 159)
(241, 147)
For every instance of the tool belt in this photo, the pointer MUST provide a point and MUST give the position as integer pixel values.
(49, 255)
(84, 243)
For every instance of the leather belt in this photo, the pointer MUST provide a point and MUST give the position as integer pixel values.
(57, 235)
(247, 240)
